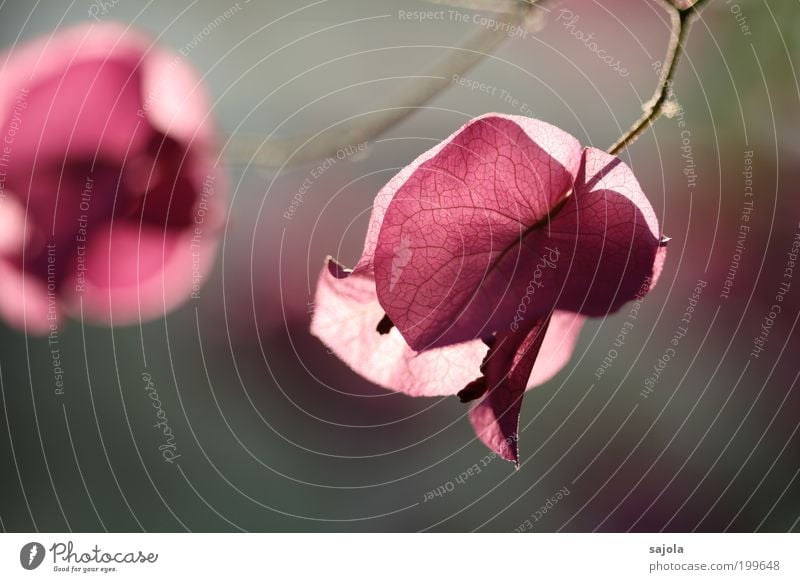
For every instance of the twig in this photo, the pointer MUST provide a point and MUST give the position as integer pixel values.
(681, 20)
(274, 153)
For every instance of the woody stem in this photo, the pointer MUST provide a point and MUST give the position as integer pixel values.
(283, 152)
(681, 21)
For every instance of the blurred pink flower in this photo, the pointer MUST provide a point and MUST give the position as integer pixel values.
(507, 235)
(110, 200)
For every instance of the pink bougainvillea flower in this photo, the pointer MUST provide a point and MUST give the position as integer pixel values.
(107, 179)
(482, 259)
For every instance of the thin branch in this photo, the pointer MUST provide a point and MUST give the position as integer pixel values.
(681, 21)
(291, 151)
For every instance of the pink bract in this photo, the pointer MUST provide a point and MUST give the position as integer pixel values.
(507, 235)
(109, 174)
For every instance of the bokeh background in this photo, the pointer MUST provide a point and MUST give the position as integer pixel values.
(275, 434)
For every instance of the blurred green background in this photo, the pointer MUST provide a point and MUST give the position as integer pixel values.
(275, 434)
